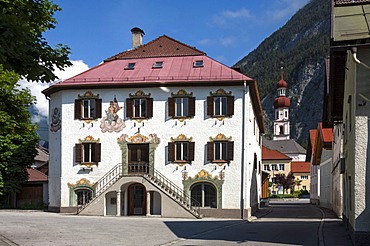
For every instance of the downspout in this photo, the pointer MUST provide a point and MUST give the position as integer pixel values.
(243, 155)
(354, 54)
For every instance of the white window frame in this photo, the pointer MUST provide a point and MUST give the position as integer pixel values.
(88, 108)
(220, 106)
(282, 165)
(182, 106)
(184, 151)
(138, 108)
(220, 151)
(274, 167)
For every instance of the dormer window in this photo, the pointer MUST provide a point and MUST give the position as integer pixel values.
(198, 64)
(130, 66)
(158, 65)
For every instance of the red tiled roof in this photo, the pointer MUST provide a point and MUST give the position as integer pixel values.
(299, 167)
(326, 135)
(270, 154)
(313, 139)
(163, 46)
(34, 175)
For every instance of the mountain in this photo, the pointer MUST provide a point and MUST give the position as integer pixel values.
(301, 47)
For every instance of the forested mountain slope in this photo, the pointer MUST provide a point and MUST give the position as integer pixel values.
(300, 46)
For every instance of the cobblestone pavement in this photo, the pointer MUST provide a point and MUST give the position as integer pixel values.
(291, 223)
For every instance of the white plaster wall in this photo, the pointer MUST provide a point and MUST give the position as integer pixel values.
(325, 178)
(200, 128)
(54, 182)
(337, 177)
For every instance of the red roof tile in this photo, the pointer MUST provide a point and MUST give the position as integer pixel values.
(326, 135)
(34, 175)
(163, 46)
(313, 139)
(270, 154)
(299, 167)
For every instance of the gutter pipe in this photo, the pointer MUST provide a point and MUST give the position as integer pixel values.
(354, 54)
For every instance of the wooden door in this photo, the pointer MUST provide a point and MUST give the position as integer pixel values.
(137, 199)
(138, 158)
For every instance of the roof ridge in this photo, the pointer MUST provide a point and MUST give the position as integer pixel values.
(126, 54)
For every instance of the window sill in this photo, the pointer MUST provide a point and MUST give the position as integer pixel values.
(181, 163)
(88, 164)
(220, 162)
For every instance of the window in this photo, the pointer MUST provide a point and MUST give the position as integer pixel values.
(281, 130)
(130, 66)
(221, 149)
(181, 149)
(158, 65)
(220, 103)
(266, 167)
(88, 106)
(83, 196)
(274, 167)
(198, 64)
(304, 187)
(305, 177)
(181, 105)
(87, 151)
(205, 194)
(281, 167)
(139, 105)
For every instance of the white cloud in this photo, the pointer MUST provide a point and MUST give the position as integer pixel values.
(284, 8)
(242, 13)
(228, 41)
(227, 17)
(42, 105)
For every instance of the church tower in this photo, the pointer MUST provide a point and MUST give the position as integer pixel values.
(281, 105)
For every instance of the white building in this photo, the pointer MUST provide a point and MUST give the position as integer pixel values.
(161, 129)
(347, 102)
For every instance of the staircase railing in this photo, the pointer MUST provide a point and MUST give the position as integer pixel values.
(184, 199)
(111, 177)
(165, 184)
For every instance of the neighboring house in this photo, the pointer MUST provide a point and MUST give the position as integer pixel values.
(314, 169)
(288, 147)
(323, 157)
(35, 191)
(161, 129)
(275, 162)
(301, 171)
(337, 171)
(347, 102)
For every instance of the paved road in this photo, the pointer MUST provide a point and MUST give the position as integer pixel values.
(292, 223)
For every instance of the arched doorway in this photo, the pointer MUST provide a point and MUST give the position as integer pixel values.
(205, 193)
(136, 199)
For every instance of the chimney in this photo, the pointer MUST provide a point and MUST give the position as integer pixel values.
(137, 37)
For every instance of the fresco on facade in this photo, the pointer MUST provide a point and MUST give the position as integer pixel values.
(111, 122)
(55, 124)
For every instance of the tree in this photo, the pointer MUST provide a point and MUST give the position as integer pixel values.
(18, 136)
(286, 181)
(298, 182)
(22, 46)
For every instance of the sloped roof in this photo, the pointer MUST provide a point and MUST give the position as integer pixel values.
(36, 176)
(270, 154)
(312, 138)
(289, 146)
(41, 156)
(300, 167)
(326, 135)
(162, 46)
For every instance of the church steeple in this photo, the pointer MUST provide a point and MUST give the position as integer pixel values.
(281, 105)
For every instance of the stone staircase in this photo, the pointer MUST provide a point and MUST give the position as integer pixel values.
(153, 176)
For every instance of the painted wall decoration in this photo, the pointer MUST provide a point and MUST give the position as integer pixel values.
(55, 124)
(111, 122)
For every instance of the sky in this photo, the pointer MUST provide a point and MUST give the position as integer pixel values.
(95, 30)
